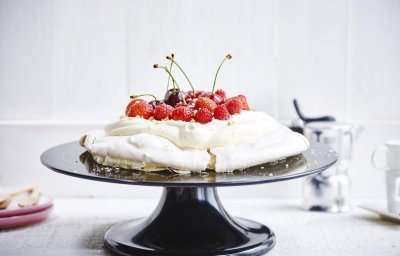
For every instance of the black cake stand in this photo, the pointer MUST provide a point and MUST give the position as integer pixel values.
(189, 219)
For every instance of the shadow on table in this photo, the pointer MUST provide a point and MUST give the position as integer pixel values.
(379, 221)
(92, 240)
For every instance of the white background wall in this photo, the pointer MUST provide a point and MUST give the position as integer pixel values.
(69, 66)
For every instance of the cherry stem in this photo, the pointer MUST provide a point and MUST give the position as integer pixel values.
(145, 94)
(171, 58)
(170, 68)
(169, 75)
(173, 80)
(227, 57)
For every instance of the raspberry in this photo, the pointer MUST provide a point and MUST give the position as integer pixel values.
(203, 116)
(221, 93)
(234, 106)
(138, 107)
(221, 113)
(162, 111)
(181, 113)
(205, 103)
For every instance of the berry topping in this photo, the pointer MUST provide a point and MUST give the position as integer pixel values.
(162, 111)
(130, 104)
(173, 97)
(198, 93)
(182, 113)
(205, 103)
(194, 95)
(221, 113)
(155, 103)
(189, 104)
(234, 106)
(216, 98)
(243, 100)
(221, 93)
(205, 94)
(193, 105)
(203, 116)
(189, 95)
(139, 108)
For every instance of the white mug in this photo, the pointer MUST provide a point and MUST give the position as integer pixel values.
(391, 151)
(393, 191)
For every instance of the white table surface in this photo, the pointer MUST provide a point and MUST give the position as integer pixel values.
(77, 226)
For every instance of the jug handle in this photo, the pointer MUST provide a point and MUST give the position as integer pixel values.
(373, 157)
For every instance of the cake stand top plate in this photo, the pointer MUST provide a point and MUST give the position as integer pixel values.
(72, 159)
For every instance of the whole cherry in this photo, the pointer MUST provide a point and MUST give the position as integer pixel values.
(155, 103)
(221, 93)
(190, 103)
(216, 98)
(173, 97)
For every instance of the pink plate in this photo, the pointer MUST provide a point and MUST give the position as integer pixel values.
(14, 209)
(22, 220)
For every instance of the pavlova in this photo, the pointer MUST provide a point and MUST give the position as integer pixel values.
(192, 131)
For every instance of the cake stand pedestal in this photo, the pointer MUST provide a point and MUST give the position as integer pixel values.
(189, 219)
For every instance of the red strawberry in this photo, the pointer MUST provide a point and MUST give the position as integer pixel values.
(182, 113)
(138, 107)
(234, 105)
(245, 105)
(130, 104)
(162, 111)
(221, 93)
(205, 103)
(242, 99)
(203, 116)
(221, 113)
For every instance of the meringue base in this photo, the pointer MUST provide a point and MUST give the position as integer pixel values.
(149, 152)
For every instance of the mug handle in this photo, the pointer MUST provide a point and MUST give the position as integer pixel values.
(397, 189)
(373, 156)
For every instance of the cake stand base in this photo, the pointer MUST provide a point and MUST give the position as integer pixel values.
(189, 221)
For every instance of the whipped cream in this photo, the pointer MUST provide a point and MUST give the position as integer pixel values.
(247, 139)
(246, 126)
